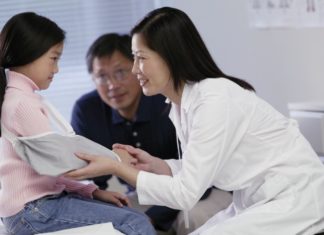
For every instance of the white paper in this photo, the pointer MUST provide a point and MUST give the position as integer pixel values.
(2, 229)
(96, 229)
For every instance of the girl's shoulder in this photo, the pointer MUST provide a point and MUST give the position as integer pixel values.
(18, 102)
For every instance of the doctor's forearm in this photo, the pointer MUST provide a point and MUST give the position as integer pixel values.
(160, 167)
(127, 173)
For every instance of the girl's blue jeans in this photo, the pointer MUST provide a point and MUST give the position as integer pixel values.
(63, 211)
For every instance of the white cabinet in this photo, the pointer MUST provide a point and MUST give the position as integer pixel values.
(310, 117)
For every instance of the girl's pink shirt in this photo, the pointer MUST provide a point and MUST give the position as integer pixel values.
(24, 114)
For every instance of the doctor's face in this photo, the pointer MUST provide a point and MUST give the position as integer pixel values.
(150, 69)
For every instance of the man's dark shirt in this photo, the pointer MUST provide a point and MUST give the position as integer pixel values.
(151, 131)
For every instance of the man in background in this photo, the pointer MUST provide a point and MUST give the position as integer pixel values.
(118, 112)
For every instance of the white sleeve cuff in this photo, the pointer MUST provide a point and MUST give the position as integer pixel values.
(174, 164)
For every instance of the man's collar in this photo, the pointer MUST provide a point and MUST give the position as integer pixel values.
(142, 112)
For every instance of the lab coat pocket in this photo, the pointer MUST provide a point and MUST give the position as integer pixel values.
(274, 190)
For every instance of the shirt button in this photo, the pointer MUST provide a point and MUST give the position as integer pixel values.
(138, 144)
(135, 133)
(128, 123)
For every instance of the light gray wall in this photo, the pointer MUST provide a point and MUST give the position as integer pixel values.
(284, 65)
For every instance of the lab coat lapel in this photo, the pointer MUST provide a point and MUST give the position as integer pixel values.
(175, 118)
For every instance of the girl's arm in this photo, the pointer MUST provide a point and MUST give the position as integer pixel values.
(127, 170)
(73, 186)
(31, 119)
(99, 165)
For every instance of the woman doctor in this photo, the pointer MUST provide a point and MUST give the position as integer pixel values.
(230, 139)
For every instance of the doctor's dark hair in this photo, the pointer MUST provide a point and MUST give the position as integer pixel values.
(24, 38)
(171, 33)
(106, 45)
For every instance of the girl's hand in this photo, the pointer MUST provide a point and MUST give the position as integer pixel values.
(113, 197)
(97, 166)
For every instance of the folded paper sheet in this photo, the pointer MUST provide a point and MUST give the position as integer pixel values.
(96, 229)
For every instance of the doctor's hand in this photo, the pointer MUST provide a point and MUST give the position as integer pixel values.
(97, 166)
(125, 157)
(118, 199)
(145, 161)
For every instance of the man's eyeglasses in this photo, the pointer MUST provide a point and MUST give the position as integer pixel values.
(119, 75)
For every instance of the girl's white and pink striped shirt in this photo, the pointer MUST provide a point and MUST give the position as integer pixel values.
(24, 114)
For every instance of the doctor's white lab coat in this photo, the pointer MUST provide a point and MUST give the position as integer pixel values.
(235, 141)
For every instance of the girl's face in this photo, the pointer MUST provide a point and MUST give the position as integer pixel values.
(42, 70)
(150, 69)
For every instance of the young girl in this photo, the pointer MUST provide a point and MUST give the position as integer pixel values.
(30, 47)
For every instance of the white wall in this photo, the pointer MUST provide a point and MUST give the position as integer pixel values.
(284, 65)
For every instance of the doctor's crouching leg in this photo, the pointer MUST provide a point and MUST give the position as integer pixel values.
(206, 208)
(285, 215)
